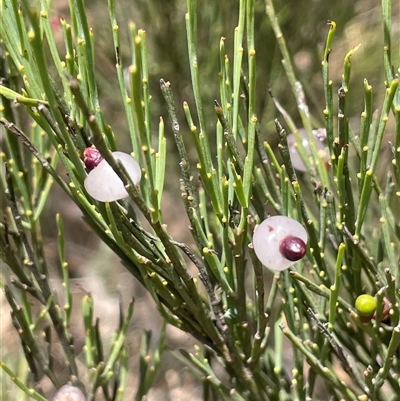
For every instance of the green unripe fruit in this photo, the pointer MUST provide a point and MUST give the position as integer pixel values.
(365, 305)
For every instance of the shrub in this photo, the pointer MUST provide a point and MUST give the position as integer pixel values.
(261, 335)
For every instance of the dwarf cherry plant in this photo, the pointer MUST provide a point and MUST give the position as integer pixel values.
(290, 335)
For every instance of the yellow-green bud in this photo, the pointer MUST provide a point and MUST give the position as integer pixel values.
(366, 306)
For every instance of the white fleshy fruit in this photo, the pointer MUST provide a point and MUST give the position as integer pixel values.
(270, 238)
(69, 393)
(104, 185)
(294, 154)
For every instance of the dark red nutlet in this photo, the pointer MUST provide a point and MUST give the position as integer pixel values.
(91, 158)
(292, 248)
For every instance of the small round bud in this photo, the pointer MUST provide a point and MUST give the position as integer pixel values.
(366, 307)
(69, 393)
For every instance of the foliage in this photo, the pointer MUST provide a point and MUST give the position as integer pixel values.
(294, 335)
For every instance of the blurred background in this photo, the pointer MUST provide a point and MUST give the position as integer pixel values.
(304, 25)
